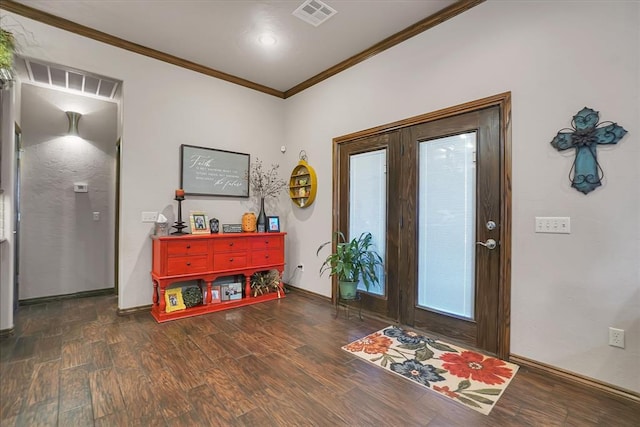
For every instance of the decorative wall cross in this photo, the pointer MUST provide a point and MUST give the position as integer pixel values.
(585, 136)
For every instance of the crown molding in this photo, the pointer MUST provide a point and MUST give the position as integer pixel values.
(395, 39)
(65, 24)
(411, 31)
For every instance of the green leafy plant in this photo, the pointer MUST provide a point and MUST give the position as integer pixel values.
(7, 47)
(353, 260)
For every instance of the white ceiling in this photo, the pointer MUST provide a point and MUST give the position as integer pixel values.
(223, 34)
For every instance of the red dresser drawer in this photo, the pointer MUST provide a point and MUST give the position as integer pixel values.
(186, 265)
(229, 261)
(185, 247)
(266, 242)
(228, 245)
(266, 258)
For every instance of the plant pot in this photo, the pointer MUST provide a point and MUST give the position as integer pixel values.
(348, 290)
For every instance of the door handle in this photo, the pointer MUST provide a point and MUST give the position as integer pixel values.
(489, 244)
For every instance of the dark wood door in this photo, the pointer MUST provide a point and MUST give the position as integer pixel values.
(478, 325)
(382, 299)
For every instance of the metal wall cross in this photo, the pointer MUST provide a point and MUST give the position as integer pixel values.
(585, 136)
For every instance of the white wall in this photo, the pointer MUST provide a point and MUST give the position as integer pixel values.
(555, 58)
(63, 250)
(163, 106)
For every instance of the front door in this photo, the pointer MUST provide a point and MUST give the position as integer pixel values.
(433, 193)
(452, 212)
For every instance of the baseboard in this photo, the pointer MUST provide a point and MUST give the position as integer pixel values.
(7, 332)
(134, 310)
(84, 294)
(306, 293)
(575, 378)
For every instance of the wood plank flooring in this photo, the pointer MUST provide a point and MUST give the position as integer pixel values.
(76, 363)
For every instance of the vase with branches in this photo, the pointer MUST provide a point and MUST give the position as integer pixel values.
(265, 183)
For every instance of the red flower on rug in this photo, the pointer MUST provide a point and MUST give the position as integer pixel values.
(445, 390)
(373, 344)
(469, 364)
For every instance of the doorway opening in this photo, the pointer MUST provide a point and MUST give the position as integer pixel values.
(68, 180)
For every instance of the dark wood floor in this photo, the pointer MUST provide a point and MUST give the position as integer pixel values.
(76, 363)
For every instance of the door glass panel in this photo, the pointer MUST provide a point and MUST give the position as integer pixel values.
(446, 227)
(368, 204)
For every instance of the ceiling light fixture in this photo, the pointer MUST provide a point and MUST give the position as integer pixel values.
(267, 40)
(74, 118)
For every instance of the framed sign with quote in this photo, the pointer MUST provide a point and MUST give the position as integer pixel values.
(210, 172)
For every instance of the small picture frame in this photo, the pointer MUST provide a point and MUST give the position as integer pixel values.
(233, 291)
(215, 294)
(199, 222)
(173, 300)
(273, 224)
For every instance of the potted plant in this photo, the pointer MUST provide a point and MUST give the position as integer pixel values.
(7, 48)
(351, 262)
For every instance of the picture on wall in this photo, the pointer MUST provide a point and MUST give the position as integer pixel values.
(210, 172)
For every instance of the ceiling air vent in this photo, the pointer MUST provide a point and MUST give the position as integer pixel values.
(314, 12)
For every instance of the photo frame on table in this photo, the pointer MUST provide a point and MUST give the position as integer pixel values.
(173, 300)
(199, 222)
(215, 294)
(211, 172)
(273, 224)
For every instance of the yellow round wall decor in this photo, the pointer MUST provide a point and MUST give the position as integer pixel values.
(303, 184)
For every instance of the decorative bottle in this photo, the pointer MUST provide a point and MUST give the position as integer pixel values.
(262, 218)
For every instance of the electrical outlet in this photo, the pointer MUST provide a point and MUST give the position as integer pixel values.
(549, 224)
(149, 216)
(616, 337)
(96, 216)
(301, 267)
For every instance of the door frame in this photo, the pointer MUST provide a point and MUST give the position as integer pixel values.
(503, 102)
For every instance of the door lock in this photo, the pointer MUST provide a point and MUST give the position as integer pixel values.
(489, 244)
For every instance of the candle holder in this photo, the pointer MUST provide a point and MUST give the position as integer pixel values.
(179, 224)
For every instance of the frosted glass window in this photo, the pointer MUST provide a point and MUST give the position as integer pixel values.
(368, 204)
(446, 228)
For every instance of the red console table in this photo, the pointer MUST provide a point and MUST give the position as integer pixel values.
(207, 257)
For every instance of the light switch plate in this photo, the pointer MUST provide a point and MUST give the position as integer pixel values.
(553, 224)
(149, 216)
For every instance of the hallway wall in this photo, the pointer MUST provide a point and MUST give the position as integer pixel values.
(63, 249)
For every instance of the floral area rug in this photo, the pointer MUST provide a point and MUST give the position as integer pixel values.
(472, 379)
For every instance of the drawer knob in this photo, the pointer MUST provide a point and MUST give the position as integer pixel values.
(230, 259)
(231, 244)
(266, 242)
(266, 256)
(188, 263)
(188, 246)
